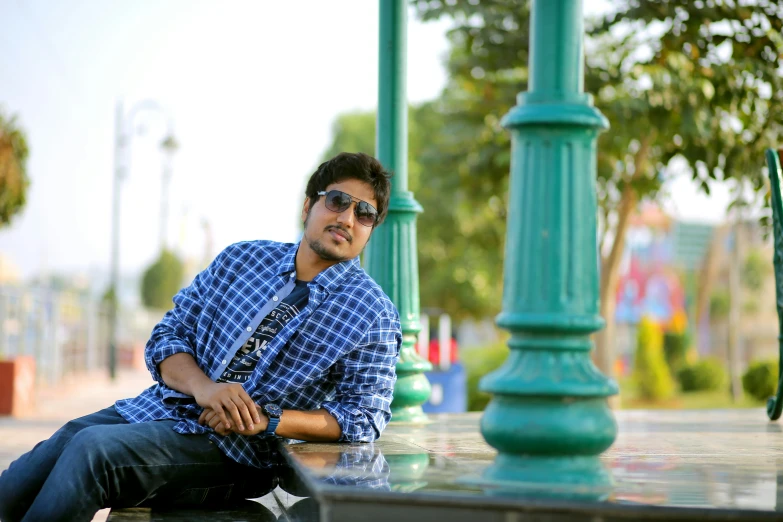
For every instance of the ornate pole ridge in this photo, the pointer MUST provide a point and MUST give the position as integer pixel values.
(391, 257)
(549, 418)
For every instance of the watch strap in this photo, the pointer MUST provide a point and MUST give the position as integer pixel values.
(272, 426)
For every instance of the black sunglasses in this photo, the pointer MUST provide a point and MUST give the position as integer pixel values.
(338, 201)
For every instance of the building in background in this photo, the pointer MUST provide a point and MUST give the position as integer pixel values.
(669, 266)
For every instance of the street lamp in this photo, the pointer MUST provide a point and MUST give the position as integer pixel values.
(124, 132)
(169, 146)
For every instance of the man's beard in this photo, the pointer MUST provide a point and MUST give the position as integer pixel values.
(318, 247)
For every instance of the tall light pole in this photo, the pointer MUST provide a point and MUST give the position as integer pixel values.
(549, 417)
(391, 257)
(169, 147)
(123, 135)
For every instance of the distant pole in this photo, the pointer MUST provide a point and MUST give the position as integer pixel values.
(119, 144)
(169, 146)
(123, 134)
(548, 417)
(735, 297)
(391, 257)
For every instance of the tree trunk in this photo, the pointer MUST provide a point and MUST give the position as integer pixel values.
(605, 353)
(735, 296)
(709, 272)
(610, 276)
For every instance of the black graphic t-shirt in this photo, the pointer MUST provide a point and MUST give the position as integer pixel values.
(247, 356)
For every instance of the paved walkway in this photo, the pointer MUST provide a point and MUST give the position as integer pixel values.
(57, 405)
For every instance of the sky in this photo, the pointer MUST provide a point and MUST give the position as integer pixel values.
(251, 90)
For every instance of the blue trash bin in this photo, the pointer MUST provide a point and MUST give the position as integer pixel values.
(449, 391)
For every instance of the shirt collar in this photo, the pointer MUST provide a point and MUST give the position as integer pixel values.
(329, 278)
(288, 263)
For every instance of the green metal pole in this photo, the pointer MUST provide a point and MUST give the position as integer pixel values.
(549, 417)
(391, 256)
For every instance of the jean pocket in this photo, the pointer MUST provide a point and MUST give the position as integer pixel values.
(204, 496)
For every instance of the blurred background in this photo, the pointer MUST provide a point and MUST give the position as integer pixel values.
(162, 132)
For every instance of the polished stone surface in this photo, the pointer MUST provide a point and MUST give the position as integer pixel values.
(716, 463)
(665, 465)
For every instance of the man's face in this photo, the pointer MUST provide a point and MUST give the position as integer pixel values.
(337, 236)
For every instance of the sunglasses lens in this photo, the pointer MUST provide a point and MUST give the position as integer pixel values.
(365, 214)
(337, 201)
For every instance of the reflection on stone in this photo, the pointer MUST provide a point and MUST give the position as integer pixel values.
(358, 465)
(574, 478)
(721, 460)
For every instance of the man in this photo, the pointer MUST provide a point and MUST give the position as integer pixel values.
(271, 340)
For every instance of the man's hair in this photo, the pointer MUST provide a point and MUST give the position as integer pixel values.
(353, 165)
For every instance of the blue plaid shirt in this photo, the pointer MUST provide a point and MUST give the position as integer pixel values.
(339, 353)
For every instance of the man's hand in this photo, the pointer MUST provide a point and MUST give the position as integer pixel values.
(231, 404)
(211, 418)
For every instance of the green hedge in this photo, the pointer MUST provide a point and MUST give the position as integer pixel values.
(479, 362)
(761, 380)
(704, 375)
(675, 349)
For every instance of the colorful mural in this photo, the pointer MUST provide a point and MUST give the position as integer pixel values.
(651, 286)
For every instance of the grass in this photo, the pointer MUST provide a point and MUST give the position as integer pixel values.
(705, 400)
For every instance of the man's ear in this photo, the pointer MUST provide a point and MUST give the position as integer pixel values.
(305, 209)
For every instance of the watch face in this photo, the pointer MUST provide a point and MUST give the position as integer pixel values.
(273, 410)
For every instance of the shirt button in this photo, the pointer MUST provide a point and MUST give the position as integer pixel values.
(224, 361)
(274, 298)
(248, 328)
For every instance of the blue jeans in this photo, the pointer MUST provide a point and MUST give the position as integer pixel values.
(101, 461)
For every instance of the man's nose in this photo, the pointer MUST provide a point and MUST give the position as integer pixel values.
(347, 216)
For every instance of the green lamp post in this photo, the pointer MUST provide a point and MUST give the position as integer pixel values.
(391, 256)
(549, 417)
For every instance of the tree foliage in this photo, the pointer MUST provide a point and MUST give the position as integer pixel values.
(161, 281)
(692, 80)
(13, 169)
(755, 270)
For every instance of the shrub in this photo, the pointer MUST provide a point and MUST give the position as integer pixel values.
(161, 281)
(675, 349)
(761, 380)
(650, 370)
(479, 362)
(704, 375)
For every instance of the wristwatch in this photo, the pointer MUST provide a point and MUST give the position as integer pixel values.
(273, 412)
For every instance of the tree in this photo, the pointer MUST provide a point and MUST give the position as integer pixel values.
(694, 80)
(161, 281)
(13, 169)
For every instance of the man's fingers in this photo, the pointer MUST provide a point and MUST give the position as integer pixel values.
(251, 406)
(244, 411)
(234, 412)
(222, 415)
(202, 417)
